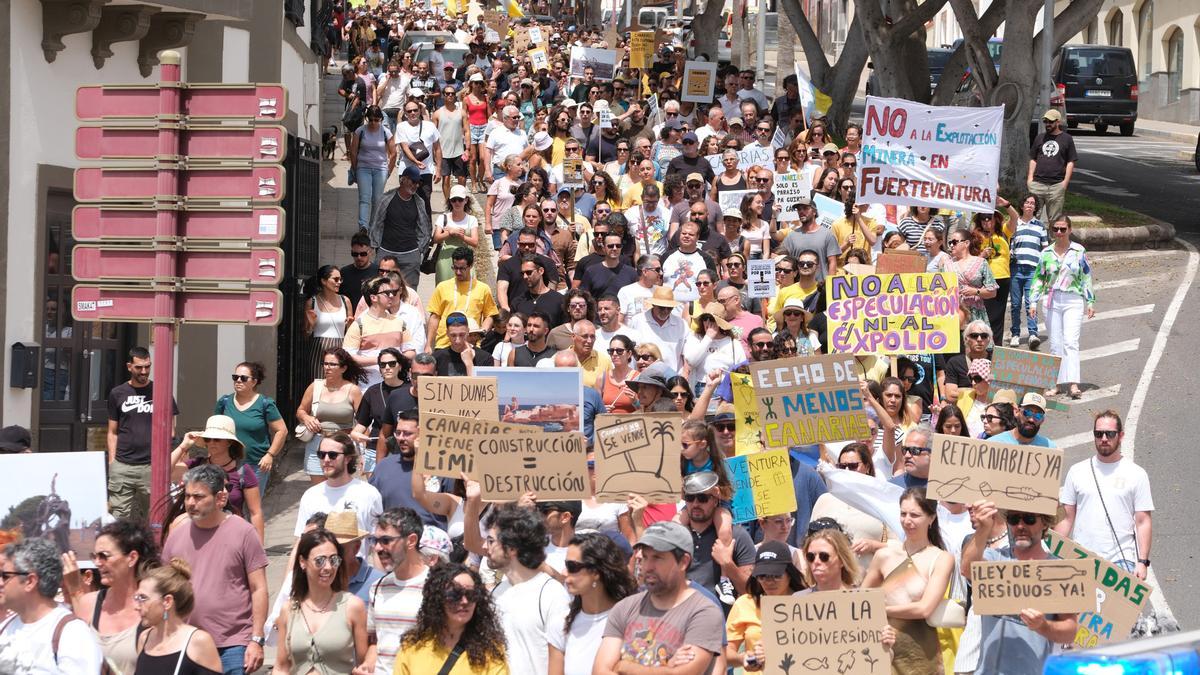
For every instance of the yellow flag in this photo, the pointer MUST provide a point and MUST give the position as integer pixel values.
(514, 10)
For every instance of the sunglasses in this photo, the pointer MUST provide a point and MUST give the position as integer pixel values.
(240, 378)
(1060, 229)
(725, 427)
(909, 378)
(784, 270)
(853, 466)
(807, 264)
(645, 357)
(978, 336)
(333, 561)
(456, 594)
(1105, 433)
(456, 321)
(383, 539)
(360, 254)
(329, 454)
(823, 556)
(617, 350)
(388, 364)
(988, 419)
(956, 242)
(761, 345)
(701, 499)
(916, 450)
(1026, 518)
(1037, 415)
(976, 379)
(612, 246)
(680, 394)
(734, 264)
(331, 365)
(575, 566)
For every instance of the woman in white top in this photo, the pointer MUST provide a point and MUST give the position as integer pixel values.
(326, 314)
(453, 229)
(711, 346)
(867, 533)
(514, 336)
(755, 232)
(597, 579)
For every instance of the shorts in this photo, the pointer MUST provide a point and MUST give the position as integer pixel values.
(454, 166)
(477, 131)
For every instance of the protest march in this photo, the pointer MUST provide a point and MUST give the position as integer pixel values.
(629, 367)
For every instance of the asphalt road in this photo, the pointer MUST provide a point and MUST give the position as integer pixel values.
(1143, 172)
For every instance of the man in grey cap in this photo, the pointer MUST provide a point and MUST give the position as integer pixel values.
(691, 161)
(401, 225)
(683, 618)
(713, 559)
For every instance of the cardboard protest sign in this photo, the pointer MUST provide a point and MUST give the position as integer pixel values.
(638, 454)
(549, 398)
(826, 632)
(448, 443)
(732, 199)
(521, 41)
(755, 155)
(1050, 586)
(1019, 477)
(1120, 596)
(780, 138)
(762, 485)
(900, 262)
(461, 396)
(828, 210)
(938, 156)
(760, 278)
(603, 62)
(789, 189)
(745, 409)
(1013, 368)
(641, 49)
(513, 462)
(809, 399)
(56, 496)
(605, 118)
(699, 82)
(893, 313)
(539, 59)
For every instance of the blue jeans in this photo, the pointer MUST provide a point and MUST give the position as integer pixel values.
(233, 659)
(370, 189)
(1018, 298)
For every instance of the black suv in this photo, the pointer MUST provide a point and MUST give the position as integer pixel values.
(1099, 84)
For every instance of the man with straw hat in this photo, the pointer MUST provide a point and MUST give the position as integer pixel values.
(661, 325)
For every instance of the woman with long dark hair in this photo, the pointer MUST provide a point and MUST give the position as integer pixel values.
(327, 313)
(597, 578)
(951, 421)
(329, 404)
(456, 615)
(323, 628)
(680, 391)
(869, 533)
(260, 425)
(618, 397)
(774, 574)
(914, 579)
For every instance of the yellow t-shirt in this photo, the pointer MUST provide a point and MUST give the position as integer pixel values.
(632, 196)
(744, 623)
(593, 366)
(472, 298)
(999, 260)
(428, 657)
(782, 295)
(842, 229)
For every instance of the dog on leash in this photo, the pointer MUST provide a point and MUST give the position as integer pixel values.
(329, 142)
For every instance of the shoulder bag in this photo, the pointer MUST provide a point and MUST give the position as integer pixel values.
(429, 260)
(418, 148)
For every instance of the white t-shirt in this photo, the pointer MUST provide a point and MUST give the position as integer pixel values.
(556, 558)
(425, 131)
(601, 517)
(631, 298)
(669, 337)
(530, 612)
(28, 649)
(582, 643)
(503, 142)
(357, 496)
(649, 228)
(1125, 488)
(680, 271)
(391, 613)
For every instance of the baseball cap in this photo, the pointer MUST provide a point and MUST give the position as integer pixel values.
(412, 173)
(672, 124)
(568, 103)
(1052, 115)
(1005, 396)
(665, 536)
(1034, 399)
(458, 192)
(802, 200)
(695, 176)
(690, 137)
(773, 559)
(732, 213)
(736, 120)
(829, 148)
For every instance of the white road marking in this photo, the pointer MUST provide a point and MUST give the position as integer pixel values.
(1095, 175)
(1109, 350)
(1073, 440)
(1123, 312)
(1124, 256)
(1095, 394)
(1143, 388)
(1132, 281)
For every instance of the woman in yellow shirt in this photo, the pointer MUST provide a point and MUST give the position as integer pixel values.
(457, 625)
(993, 245)
(774, 574)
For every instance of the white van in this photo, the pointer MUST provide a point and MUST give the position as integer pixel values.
(649, 18)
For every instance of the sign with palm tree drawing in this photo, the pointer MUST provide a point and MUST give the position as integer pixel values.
(638, 454)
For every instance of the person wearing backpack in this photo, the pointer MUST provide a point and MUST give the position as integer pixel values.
(41, 636)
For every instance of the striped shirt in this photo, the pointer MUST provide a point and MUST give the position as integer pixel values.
(391, 613)
(1027, 244)
(914, 230)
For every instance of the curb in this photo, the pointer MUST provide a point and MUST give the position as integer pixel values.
(1110, 238)
(1182, 137)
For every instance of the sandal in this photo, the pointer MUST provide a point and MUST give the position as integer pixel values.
(1051, 393)
(1076, 393)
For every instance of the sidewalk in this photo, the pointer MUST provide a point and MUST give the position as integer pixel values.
(1185, 133)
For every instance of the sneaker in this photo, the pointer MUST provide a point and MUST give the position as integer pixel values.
(1014, 341)
(726, 593)
(1034, 342)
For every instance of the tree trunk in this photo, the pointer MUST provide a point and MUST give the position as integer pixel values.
(839, 81)
(1016, 88)
(785, 54)
(706, 29)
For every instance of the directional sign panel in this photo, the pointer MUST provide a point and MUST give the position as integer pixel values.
(259, 183)
(259, 102)
(112, 263)
(260, 225)
(101, 303)
(197, 142)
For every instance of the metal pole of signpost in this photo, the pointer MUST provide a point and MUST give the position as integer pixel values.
(170, 108)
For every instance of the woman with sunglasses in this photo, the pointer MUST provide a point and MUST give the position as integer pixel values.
(506, 198)
(260, 425)
(618, 397)
(783, 163)
(329, 404)
(993, 235)
(914, 579)
(793, 320)
(323, 628)
(832, 566)
(680, 392)
(168, 645)
(597, 578)
(868, 533)
(1064, 278)
(667, 147)
(975, 281)
(372, 159)
(711, 346)
(327, 313)
(705, 282)
(998, 418)
(221, 448)
(621, 168)
(123, 552)
(972, 402)
(454, 229)
(457, 620)
(773, 574)
(604, 190)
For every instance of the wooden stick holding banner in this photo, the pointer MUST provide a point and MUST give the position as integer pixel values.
(1049, 586)
(826, 632)
(1020, 477)
(638, 454)
(1120, 596)
(809, 399)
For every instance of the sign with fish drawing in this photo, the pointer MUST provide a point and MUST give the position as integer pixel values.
(1020, 477)
(831, 632)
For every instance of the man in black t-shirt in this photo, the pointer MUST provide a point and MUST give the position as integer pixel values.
(130, 409)
(1051, 162)
(360, 270)
(461, 357)
(691, 161)
(537, 327)
(401, 226)
(538, 297)
(510, 285)
(611, 274)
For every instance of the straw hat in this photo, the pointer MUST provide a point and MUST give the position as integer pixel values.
(222, 426)
(662, 297)
(716, 311)
(344, 526)
(792, 303)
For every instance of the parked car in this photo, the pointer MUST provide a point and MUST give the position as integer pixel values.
(453, 52)
(936, 58)
(724, 45)
(543, 19)
(413, 37)
(968, 95)
(1099, 85)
